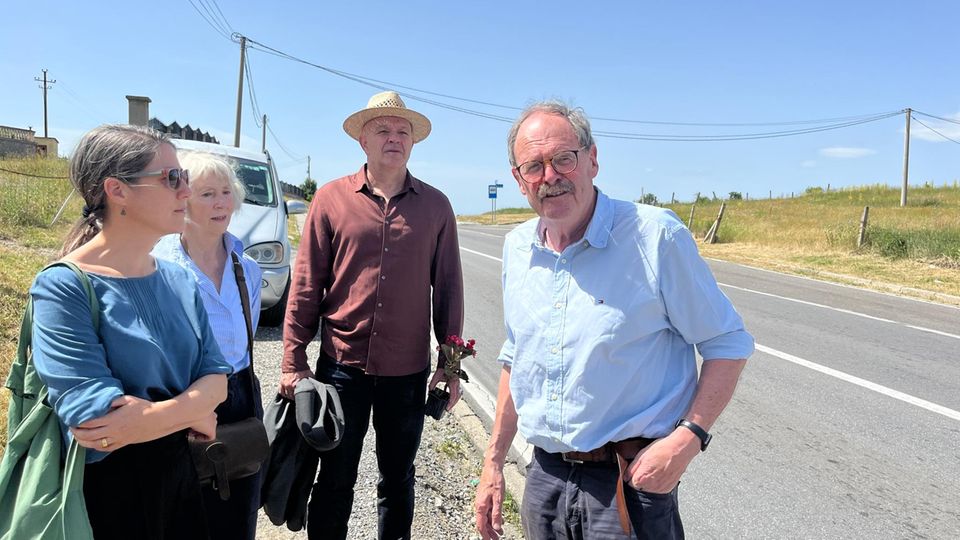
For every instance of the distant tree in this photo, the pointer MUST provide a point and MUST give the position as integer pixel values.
(309, 187)
(814, 190)
(702, 199)
(736, 196)
(648, 198)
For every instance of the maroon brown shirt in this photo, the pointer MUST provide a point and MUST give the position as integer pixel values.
(366, 270)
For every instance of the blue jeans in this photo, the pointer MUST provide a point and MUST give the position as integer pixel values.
(578, 501)
(397, 404)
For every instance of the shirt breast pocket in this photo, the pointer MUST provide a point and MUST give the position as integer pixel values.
(623, 317)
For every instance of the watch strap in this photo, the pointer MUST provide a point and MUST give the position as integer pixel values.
(698, 431)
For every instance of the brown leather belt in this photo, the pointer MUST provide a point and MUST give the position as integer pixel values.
(620, 453)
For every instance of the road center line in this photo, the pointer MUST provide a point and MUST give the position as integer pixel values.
(841, 310)
(481, 254)
(880, 389)
(889, 392)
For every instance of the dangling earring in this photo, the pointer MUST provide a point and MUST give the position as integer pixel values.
(123, 211)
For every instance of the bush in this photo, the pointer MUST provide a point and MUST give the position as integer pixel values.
(914, 244)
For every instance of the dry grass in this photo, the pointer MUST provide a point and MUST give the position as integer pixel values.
(917, 247)
(27, 243)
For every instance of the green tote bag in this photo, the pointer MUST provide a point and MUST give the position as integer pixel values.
(41, 489)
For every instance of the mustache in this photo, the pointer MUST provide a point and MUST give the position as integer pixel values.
(561, 187)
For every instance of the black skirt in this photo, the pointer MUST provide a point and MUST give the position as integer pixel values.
(147, 491)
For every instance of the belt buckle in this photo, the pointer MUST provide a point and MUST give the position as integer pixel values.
(570, 459)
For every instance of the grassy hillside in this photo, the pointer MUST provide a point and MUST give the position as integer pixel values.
(917, 247)
(27, 242)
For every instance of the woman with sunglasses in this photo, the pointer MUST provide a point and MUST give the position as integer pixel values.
(206, 250)
(132, 391)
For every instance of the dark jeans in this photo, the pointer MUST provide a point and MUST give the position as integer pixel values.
(397, 404)
(564, 500)
(147, 491)
(236, 518)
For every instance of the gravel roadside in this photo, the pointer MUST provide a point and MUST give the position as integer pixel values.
(448, 466)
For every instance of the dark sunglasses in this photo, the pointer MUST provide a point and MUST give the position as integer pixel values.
(174, 177)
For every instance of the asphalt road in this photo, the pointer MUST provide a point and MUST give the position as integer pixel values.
(845, 423)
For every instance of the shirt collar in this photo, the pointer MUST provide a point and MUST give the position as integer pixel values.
(359, 181)
(598, 231)
(232, 243)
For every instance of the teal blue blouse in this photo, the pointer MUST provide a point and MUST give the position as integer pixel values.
(154, 341)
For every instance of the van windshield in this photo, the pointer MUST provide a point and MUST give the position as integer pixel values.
(256, 178)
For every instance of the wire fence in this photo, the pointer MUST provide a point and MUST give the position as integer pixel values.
(32, 191)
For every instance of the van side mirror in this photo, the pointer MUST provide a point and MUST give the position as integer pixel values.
(296, 207)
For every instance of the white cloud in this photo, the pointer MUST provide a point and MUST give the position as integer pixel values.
(946, 129)
(808, 164)
(845, 152)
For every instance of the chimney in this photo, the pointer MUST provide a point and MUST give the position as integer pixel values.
(139, 111)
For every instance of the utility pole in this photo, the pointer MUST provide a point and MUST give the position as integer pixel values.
(906, 159)
(264, 148)
(44, 87)
(308, 166)
(243, 60)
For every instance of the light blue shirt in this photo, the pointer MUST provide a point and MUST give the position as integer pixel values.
(600, 337)
(223, 307)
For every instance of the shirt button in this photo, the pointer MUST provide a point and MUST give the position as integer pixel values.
(558, 305)
(376, 333)
(564, 261)
(553, 397)
(386, 249)
(383, 277)
(554, 350)
(379, 304)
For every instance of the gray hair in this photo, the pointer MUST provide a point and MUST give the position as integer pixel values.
(575, 115)
(201, 164)
(110, 150)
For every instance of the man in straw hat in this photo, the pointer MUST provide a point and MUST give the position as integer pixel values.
(378, 251)
(604, 301)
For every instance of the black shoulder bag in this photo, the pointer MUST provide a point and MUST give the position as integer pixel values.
(240, 447)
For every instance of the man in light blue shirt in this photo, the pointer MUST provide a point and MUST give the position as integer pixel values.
(604, 302)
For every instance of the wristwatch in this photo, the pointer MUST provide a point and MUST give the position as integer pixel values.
(698, 431)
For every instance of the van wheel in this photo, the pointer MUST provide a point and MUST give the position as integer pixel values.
(273, 317)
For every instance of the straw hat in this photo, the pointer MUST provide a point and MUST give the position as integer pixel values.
(387, 104)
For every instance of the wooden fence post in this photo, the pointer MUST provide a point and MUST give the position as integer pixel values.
(711, 237)
(861, 238)
(690, 221)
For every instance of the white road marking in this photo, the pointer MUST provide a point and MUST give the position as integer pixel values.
(498, 259)
(846, 377)
(841, 310)
(906, 398)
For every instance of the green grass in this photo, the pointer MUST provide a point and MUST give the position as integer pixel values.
(27, 243)
(815, 233)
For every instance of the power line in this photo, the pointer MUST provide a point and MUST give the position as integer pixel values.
(280, 144)
(35, 175)
(938, 117)
(381, 84)
(257, 113)
(222, 16)
(915, 119)
(208, 21)
(738, 137)
(213, 17)
(836, 123)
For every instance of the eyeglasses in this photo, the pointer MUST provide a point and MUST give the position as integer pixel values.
(564, 162)
(174, 177)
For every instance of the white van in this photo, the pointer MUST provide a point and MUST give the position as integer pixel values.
(261, 224)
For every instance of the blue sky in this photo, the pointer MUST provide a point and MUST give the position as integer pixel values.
(686, 62)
